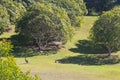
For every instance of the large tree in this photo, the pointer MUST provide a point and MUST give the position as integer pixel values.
(106, 30)
(44, 23)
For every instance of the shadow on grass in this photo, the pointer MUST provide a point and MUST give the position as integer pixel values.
(88, 47)
(90, 60)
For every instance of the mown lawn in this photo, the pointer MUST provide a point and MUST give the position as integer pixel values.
(46, 67)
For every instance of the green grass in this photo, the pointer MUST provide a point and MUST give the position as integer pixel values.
(46, 67)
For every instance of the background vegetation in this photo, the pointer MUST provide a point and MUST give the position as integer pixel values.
(81, 43)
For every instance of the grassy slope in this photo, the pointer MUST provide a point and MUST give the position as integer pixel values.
(46, 67)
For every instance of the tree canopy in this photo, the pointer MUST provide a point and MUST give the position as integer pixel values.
(44, 23)
(10, 71)
(74, 8)
(106, 30)
(15, 9)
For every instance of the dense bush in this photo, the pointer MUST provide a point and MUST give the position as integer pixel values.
(5, 48)
(10, 71)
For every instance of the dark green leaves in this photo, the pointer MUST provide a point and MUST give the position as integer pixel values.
(106, 29)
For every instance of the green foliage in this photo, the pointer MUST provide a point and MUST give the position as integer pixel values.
(10, 71)
(4, 18)
(74, 8)
(106, 30)
(14, 9)
(44, 23)
(5, 48)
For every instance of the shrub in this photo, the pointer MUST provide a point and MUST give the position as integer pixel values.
(5, 47)
(10, 71)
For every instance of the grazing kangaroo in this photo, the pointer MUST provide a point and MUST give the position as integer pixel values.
(56, 61)
(26, 60)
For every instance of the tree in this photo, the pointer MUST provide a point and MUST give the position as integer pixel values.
(106, 30)
(74, 8)
(44, 23)
(14, 9)
(4, 19)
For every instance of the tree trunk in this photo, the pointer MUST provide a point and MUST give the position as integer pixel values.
(39, 44)
(109, 52)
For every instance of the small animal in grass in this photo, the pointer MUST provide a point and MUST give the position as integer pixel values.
(26, 60)
(56, 61)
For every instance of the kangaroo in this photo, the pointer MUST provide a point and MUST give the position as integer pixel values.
(56, 61)
(26, 60)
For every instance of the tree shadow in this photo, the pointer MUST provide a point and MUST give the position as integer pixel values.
(90, 59)
(24, 46)
(88, 47)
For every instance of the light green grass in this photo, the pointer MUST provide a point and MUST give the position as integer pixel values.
(46, 67)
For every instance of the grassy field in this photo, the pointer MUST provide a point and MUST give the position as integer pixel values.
(46, 67)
